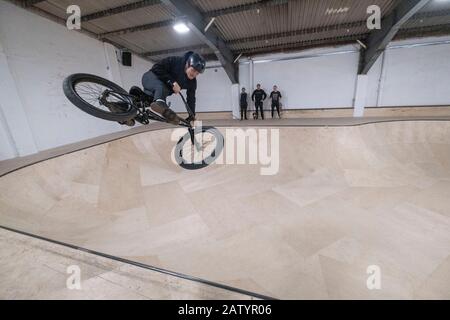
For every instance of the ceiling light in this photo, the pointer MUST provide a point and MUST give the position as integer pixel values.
(181, 27)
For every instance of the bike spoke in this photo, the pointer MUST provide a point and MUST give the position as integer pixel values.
(92, 93)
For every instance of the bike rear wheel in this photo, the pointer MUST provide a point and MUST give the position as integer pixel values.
(99, 97)
(211, 143)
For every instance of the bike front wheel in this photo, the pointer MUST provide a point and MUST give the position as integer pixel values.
(207, 147)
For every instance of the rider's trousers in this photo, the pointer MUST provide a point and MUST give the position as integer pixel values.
(154, 87)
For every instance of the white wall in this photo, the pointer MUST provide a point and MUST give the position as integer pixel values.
(244, 77)
(132, 76)
(39, 54)
(322, 82)
(316, 78)
(408, 76)
(416, 76)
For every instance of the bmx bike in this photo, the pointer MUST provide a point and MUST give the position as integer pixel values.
(104, 99)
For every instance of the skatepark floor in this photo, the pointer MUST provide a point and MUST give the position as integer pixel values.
(349, 193)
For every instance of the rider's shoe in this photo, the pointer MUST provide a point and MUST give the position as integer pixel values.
(161, 108)
(130, 123)
(118, 107)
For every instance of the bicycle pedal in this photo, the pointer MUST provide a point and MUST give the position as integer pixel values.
(130, 123)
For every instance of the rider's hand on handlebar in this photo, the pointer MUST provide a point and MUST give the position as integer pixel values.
(176, 88)
(190, 119)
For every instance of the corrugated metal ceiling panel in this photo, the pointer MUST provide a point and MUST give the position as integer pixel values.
(86, 6)
(133, 18)
(280, 20)
(357, 32)
(161, 39)
(296, 15)
(209, 5)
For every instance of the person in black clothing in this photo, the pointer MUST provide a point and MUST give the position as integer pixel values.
(258, 96)
(169, 76)
(275, 95)
(244, 104)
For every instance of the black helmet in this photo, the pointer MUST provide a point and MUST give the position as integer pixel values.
(197, 62)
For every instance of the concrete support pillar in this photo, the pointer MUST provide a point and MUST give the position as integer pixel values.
(235, 101)
(360, 96)
(251, 76)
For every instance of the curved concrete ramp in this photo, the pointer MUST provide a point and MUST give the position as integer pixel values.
(344, 199)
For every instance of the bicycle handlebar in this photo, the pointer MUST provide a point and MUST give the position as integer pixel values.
(190, 112)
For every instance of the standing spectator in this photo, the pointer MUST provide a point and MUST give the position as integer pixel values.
(244, 104)
(275, 95)
(258, 96)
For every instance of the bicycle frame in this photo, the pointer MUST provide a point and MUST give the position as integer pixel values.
(156, 117)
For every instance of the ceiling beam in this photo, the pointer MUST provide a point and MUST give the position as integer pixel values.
(196, 22)
(431, 14)
(296, 45)
(30, 3)
(165, 23)
(378, 40)
(290, 46)
(336, 27)
(344, 27)
(245, 7)
(346, 39)
(428, 31)
(144, 27)
(176, 50)
(120, 9)
(435, 29)
(210, 57)
(213, 13)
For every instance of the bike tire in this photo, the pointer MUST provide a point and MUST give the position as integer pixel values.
(178, 151)
(71, 94)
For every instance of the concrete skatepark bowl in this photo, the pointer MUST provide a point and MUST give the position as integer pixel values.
(345, 198)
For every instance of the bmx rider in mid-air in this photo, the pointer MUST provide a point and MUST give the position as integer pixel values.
(171, 75)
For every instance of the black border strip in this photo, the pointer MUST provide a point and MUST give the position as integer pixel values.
(144, 266)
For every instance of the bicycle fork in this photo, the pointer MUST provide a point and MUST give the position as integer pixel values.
(194, 141)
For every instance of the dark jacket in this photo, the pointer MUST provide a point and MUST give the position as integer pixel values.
(259, 95)
(244, 99)
(275, 96)
(172, 69)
